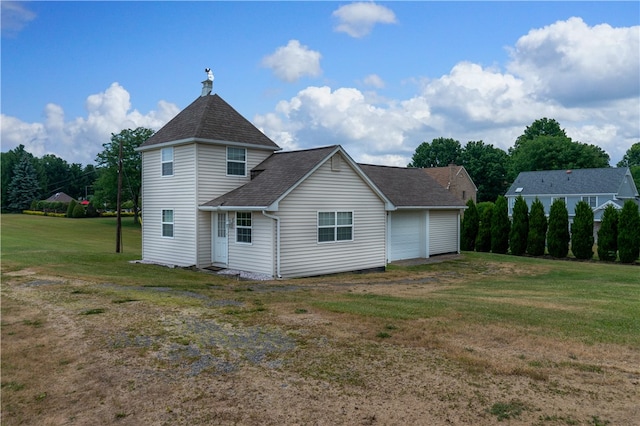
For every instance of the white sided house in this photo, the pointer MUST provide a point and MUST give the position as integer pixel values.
(217, 192)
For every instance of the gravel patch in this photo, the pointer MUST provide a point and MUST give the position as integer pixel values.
(223, 348)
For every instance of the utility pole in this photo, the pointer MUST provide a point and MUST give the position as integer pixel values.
(119, 202)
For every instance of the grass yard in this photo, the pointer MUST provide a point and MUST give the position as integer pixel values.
(88, 337)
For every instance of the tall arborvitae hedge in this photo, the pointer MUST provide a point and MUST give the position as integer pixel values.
(629, 232)
(483, 240)
(537, 229)
(582, 231)
(470, 224)
(519, 227)
(608, 234)
(558, 231)
(500, 226)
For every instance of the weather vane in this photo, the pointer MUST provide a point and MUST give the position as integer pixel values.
(209, 74)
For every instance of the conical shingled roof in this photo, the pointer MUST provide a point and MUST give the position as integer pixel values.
(210, 118)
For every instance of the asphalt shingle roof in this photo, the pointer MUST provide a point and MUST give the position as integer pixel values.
(410, 187)
(580, 181)
(273, 177)
(210, 118)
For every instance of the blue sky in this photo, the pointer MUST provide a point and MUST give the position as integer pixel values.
(378, 78)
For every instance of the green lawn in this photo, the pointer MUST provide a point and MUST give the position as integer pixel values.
(591, 302)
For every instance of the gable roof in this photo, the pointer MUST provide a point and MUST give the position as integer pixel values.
(60, 197)
(410, 187)
(209, 119)
(581, 181)
(278, 175)
(443, 175)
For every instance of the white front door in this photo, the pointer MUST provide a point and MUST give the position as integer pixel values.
(220, 238)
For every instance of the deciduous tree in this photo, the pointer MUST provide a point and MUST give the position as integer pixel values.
(107, 161)
(545, 146)
(487, 166)
(439, 153)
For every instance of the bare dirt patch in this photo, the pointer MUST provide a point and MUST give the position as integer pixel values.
(79, 353)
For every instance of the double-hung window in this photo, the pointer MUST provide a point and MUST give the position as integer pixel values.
(592, 201)
(167, 223)
(243, 227)
(167, 161)
(335, 226)
(236, 161)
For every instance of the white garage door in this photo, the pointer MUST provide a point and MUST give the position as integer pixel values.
(406, 235)
(443, 232)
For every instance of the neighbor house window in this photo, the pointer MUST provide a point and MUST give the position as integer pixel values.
(335, 226)
(167, 223)
(167, 161)
(592, 201)
(236, 161)
(243, 227)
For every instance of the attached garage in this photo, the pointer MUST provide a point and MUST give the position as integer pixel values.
(444, 226)
(411, 232)
(406, 235)
(425, 218)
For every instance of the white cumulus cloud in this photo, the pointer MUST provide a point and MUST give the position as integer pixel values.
(358, 19)
(80, 139)
(293, 61)
(573, 63)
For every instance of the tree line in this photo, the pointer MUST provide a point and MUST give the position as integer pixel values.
(486, 228)
(26, 178)
(544, 145)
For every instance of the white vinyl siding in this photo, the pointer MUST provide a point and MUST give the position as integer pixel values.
(327, 190)
(176, 194)
(212, 181)
(443, 232)
(259, 256)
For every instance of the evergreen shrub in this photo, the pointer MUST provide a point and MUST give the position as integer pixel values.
(582, 232)
(558, 231)
(608, 235)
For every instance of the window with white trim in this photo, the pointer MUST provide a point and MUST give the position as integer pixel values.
(243, 227)
(592, 201)
(236, 161)
(335, 226)
(167, 223)
(167, 161)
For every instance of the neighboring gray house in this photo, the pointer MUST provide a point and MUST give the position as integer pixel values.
(598, 187)
(216, 192)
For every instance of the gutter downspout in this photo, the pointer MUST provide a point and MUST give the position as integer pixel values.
(277, 219)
